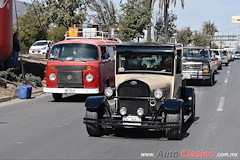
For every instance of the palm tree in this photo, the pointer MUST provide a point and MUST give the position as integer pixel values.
(163, 4)
(209, 28)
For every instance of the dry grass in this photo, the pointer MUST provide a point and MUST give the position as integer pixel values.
(4, 92)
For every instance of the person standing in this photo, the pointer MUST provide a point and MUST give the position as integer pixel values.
(16, 49)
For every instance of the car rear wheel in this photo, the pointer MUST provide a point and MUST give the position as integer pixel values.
(93, 130)
(174, 133)
(57, 96)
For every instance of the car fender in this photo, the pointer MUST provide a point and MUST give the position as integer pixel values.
(173, 105)
(94, 102)
(187, 96)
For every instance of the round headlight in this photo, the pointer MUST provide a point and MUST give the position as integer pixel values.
(52, 76)
(123, 111)
(140, 111)
(108, 92)
(158, 94)
(89, 77)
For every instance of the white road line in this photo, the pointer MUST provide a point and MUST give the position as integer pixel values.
(226, 81)
(228, 72)
(221, 104)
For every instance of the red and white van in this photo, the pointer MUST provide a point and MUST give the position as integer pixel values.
(80, 65)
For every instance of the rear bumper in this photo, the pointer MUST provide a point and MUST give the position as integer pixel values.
(71, 90)
(112, 123)
(196, 75)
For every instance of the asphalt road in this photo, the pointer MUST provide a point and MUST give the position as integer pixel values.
(40, 128)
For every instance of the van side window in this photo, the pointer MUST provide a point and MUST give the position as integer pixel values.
(111, 51)
(104, 53)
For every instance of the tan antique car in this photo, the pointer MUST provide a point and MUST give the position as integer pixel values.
(150, 92)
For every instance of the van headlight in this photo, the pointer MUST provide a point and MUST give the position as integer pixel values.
(158, 94)
(108, 92)
(89, 77)
(52, 77)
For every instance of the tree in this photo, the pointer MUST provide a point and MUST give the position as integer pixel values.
(159, 28)
(135, 18)
(184, 36)
(31, 28)
(66, 13)
(164, 5)
(209, 28)
(57, 33)
(200, 39)
(104, 13)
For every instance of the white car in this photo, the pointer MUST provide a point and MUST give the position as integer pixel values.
(40, 47)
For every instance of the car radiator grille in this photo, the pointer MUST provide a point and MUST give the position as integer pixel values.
(70, 79)
(134, 88)
(192, 67)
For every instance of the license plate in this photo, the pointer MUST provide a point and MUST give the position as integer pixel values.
(69, 90)
(132, 119)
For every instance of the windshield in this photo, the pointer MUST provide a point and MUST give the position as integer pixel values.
(40, 44)
(74, 52)
(195, 53)
(144, 62)
(224, 53)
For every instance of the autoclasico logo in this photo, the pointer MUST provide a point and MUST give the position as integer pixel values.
(197, 154)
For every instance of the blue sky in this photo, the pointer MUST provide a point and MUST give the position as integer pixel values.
(196, 12)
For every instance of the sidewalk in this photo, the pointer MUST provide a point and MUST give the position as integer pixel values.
(35, 92)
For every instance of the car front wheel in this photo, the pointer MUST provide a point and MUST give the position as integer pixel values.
(93, 130)
(174, 133)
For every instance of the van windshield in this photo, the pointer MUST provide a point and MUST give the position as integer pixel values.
(144, 62)
(74, 52)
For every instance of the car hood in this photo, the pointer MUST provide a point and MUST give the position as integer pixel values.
(153, 81)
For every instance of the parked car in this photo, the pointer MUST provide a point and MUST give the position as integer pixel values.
(237, 55)
(150, 92)
(198, 65)
(40, 47)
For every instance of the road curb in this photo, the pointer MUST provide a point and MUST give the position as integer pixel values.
(8, 98)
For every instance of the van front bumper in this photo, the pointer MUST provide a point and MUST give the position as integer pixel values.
(71, 90)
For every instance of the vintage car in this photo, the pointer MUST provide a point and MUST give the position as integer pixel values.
(149, 93)
(198, 64)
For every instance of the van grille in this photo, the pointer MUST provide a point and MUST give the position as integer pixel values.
(69, 79)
